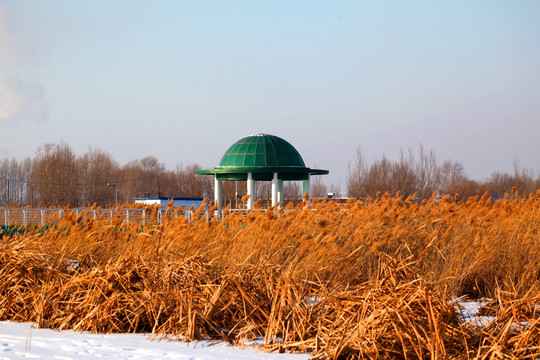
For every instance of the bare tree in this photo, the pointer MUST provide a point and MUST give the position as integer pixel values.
(55, 176)
(404, 178)
(523, 178)
(356, 175)
(291, 191)
(151, 169)
(452, 176)
(427, 173)
(409, 175)
(378, 178)
(262, 191)
(318, 187)
(14, 182)
(30, 195)
(499, 184)
(97, 169)
(194, 185)
(140, 178)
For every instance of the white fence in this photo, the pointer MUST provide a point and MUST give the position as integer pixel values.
(51, 216)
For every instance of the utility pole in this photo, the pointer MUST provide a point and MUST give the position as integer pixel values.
(158, 189)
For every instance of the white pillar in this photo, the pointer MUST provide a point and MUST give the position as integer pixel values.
(218, 191)
(250, 190)
(275, 189)
(306, 186)
(280, 193)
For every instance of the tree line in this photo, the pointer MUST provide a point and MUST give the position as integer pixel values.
(420, 175)
(56, 177)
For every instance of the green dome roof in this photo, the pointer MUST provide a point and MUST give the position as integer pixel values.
(261, 155)
(261, 150)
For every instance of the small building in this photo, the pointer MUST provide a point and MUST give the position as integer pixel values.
(163, 201)
(261, 157)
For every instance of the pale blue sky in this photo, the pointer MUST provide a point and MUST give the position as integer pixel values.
(183, 80)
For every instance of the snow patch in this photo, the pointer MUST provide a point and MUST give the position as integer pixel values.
(23, 341)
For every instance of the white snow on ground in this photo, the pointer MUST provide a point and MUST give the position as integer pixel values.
(468, 312)
(23, 341)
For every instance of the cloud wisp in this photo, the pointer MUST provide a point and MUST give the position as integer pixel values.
(20, 98)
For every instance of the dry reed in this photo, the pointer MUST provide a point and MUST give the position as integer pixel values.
(371, 279)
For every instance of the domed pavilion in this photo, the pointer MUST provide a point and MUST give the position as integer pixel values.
(261, 157)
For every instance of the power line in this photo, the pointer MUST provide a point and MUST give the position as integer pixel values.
(31, 182)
